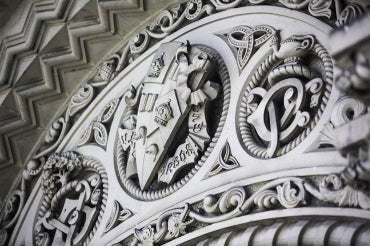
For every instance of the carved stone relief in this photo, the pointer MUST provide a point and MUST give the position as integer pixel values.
(75, 189)
(226, 161)
(99, 128)
(344, 110)
(118, 215)
(285, 193)
(12, 210)
(293, 231)
(250, 39)
(167, 130)
(290, 89)
(158, 138)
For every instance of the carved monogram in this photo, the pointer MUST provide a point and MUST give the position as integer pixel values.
(170, 130)
(75, 190)
(285, 96)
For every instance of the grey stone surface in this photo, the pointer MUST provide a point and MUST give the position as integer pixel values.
(211, 122)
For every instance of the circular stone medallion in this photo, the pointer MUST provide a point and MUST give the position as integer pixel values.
(172, 120)
(285, 96)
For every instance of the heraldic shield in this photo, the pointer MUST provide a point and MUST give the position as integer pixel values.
(172, 96)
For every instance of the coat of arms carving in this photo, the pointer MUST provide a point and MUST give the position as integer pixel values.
(165, 128)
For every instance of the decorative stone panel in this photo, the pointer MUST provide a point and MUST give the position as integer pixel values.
(218, 123)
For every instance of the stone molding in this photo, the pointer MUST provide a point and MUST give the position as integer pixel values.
(43, 52)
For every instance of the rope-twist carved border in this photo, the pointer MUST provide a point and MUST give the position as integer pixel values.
(50, 200)
(134, 189)
(257, 79)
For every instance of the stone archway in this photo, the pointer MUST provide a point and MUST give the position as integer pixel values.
(216, 124)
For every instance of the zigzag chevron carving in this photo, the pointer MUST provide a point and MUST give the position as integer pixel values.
(44, 57)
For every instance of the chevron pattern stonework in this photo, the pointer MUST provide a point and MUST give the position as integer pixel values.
(48, 49)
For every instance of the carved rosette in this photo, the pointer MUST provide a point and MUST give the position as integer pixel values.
(167, 133)
(75, 189)
(285, 97)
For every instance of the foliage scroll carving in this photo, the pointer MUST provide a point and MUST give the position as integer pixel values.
(283, 193)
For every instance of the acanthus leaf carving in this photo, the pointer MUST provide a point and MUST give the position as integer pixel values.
(288, 192)
(333, 189)
(315, 7)
(320, 8)
(80, 100)
(226, 4)
(169, 225)
(349, 13)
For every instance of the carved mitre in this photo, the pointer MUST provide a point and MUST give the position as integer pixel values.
(171, 128)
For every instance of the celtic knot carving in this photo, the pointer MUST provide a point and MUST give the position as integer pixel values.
(226, 161)
(285, 96)
(246, 39)
(75, 191)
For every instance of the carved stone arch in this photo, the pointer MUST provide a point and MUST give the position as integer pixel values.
(216, 123)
